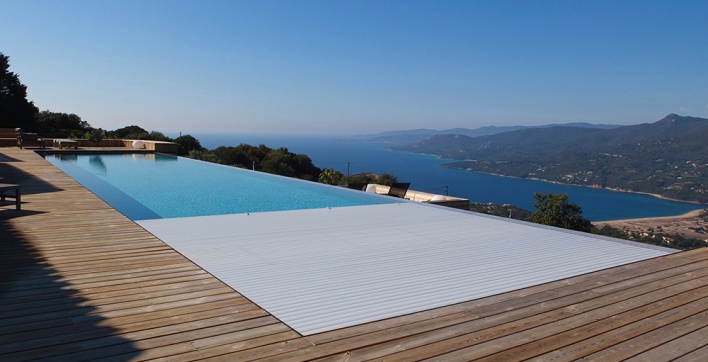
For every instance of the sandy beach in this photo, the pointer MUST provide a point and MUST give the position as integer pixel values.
(690, 225)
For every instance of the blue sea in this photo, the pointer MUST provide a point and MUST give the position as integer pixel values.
(425, 174)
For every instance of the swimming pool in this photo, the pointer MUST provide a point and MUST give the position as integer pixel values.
(318, 269)
(154, 186)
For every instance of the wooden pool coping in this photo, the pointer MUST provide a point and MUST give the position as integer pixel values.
(78, 280)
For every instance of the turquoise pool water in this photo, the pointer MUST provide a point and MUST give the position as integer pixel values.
(154, 186)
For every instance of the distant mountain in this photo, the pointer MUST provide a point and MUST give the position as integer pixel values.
(668, 157)
(417, 135)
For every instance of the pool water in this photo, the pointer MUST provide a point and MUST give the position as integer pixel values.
(154, 186)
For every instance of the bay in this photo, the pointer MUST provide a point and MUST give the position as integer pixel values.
(425, 173)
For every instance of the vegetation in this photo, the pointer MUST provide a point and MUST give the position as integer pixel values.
(556, 210)
(53, 124)
(370, 178)
(654, 237)
(15, 109)
(262, 158)
(667, 157)
(330, 176)
(505, 210)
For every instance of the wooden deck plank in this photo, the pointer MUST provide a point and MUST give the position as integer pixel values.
(592, 343)
(128, 299)
(144, 320)
(78, 280)
(699, 354)
(677, 347)
(489, 336)
(138, 328)
(516, 332)
(602, 320)
(161, 346)
(234, 351)
(651, 340)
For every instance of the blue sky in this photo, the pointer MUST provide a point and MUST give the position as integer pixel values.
(350, 67)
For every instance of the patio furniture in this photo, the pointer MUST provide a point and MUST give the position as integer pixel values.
(399, 189)
(357, 186)
(26, 139)
(4, 188)
(8, 137)
(61, 143)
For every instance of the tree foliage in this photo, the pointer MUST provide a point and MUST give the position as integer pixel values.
(127, 132)
(262, 158)
(370, 178)
(54, 124)
(187, 144)
(203, 155)
(330, 176)
(361, 178)
(15, 109)
(386, 179)
(556, 210)
(283, 162)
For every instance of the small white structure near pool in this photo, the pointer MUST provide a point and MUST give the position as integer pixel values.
(322, 269)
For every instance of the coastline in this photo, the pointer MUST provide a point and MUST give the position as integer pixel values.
(615, 189)
(691, 225)
(422, 169)
(688, 215)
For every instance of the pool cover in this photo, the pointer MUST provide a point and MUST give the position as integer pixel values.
(322, 269)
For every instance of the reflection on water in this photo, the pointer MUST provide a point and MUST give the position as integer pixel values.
(68, 156)
(97, 164)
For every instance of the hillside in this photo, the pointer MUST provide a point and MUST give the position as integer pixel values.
(417, 135)
(668, 157)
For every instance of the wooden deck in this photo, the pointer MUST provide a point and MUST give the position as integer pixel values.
(79, 281)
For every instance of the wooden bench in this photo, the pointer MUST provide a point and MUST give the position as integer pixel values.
(25, 139)
(8, 137)
(61, 143)
(17, 196)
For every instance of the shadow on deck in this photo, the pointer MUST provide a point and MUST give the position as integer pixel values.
(41, 314)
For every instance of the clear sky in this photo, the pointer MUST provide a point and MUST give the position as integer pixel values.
(349, 67)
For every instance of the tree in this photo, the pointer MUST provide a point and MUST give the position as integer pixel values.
(54, 124)
(15, 110)
(361, 178)
(125, 132)
(330, 176)
(186, 144)
(156, 136)
(556, 210)
(285, 163)
(96, 135)
(277, 162)
(386, 179)
(203, 155)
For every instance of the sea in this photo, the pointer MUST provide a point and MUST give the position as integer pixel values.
(424, 172)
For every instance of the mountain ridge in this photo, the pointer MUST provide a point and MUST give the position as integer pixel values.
(668, 157)
(402, 137)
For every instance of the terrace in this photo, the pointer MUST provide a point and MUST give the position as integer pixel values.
(8, 138)
(78, 280)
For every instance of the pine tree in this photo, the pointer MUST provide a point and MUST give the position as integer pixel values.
(556, 210)
(15, 110)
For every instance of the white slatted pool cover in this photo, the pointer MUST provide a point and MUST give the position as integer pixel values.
(323, 269)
